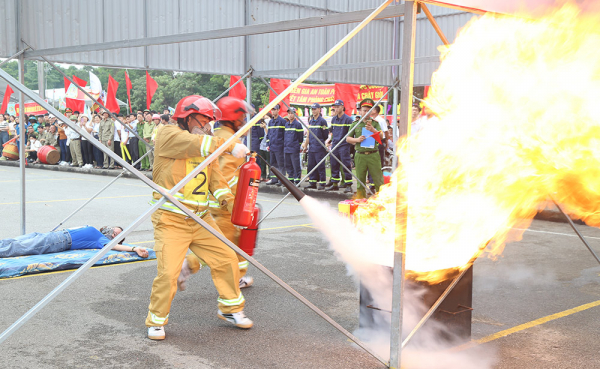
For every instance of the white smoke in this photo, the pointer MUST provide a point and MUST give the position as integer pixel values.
(364, 260)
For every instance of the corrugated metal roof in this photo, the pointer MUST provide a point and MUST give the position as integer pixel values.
(60, 23)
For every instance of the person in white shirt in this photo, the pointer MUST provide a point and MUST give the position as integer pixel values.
(32, 148)
(124, 142)
(117, 138)
(132, 144)
(86, 146)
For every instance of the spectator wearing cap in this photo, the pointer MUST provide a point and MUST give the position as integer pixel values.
(317, 126)
(367, 158)
(106, 133)
(294, 135)
(74, 142)
(275, 142)
(33, 123)
(257, 133)
(340, 125)
(148, 131)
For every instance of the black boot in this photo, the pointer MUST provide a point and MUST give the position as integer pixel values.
(311, 185)
(332, 187)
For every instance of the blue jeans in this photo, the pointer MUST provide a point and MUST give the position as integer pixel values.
(35, 244)
(63, 149)
(3, 139)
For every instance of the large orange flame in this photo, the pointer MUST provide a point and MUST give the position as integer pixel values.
(519, 107)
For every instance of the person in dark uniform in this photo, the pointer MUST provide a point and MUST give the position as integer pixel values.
(366, 158)
(275, 138)
(340, 125)
(318, 126)
(294, 135)
(257, 134)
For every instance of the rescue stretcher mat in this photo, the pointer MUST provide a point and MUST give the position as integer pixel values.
(70, 259)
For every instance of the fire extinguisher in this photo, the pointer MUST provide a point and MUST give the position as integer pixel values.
(248, 235)
(247, 191)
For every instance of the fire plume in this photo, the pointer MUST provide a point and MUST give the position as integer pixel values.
(518, 101)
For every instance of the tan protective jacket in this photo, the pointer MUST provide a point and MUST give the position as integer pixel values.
(177, 153)
(229, 165)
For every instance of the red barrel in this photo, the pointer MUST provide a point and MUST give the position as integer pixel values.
(248, 235)
(247, 191)
(48, 155)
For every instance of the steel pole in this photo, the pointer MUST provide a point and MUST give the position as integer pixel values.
(321, 143)
(13, 56)
(149, 147)
(98, 193)
(196, 171)
(570, 221)
(323, 160)
(408, 63)
(248, 116)
(436, 305)
(22, 135)
(165, 196)
(232, 86)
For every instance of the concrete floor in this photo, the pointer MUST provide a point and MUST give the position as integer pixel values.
(99, 320)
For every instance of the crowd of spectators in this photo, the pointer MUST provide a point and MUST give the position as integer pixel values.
(75, 150)
(288, 143)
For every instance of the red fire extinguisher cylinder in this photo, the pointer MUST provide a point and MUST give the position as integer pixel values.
(247, 192)
(248, 235)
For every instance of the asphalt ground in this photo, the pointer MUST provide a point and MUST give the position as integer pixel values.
(534, 307)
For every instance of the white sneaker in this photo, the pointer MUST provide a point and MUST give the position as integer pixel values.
(238, 319)
(184, 275)
(246, 281)
(156, 333)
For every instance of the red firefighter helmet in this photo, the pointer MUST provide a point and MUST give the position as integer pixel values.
(196, 104)
(233, 109)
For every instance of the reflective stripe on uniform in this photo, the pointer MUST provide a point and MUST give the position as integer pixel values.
(213, 204)
(233, 181)
(220, 192)
(158, 320)
(243, 264)
(174, 209)
(205, 147)
(233, 302)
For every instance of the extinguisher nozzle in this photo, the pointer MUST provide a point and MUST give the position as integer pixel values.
(295, 191)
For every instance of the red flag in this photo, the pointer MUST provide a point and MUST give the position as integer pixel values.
(279, 85)
(377, 137)
(348, 94)
(73, 104)
(79, 81)
(6, 100)
(111, 95)
(239, 91)
(151, 87)
(128, 85)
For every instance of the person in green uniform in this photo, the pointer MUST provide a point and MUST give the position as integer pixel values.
(148, 131)
(366, 158)
(145, 163)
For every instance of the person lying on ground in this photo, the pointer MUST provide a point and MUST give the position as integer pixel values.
(67, 239)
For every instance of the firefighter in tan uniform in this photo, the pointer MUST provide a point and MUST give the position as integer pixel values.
(233, 117)
(180, 149)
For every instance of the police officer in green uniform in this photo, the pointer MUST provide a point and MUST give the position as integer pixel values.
(366, 158)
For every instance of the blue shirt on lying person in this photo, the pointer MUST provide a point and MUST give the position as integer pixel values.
(70, 239)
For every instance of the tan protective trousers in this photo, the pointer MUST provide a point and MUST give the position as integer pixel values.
(173, 235)
(223, 219)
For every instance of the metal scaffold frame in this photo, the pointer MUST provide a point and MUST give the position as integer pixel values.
(402, 75)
